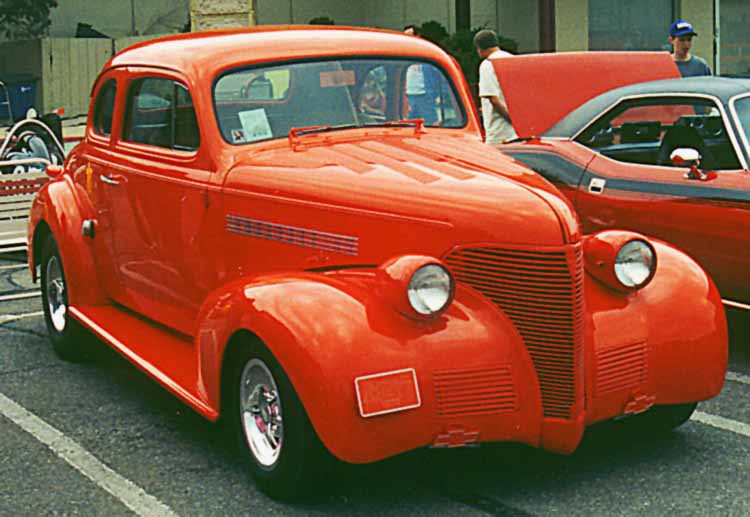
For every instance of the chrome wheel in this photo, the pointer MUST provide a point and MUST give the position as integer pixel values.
(57, 299)
(261, 413)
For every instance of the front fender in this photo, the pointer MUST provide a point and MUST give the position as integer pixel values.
(328, 329)
(664, 344)
(60, 207)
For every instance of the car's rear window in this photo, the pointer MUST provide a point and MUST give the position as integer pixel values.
(256, 104)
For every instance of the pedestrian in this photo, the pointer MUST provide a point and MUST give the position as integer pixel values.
(681, 36)
(422, 85)
(498, 127)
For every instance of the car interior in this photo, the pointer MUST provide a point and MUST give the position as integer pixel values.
(648, 133)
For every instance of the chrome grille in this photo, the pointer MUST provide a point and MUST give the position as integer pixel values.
(541, 291)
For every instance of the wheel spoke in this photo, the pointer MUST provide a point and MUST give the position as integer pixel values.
(262, 417)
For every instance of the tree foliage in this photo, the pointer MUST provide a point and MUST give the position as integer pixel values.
(25, 19)
(460, 45)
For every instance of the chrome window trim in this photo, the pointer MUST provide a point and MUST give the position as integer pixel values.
(736, 117)
(715, 99)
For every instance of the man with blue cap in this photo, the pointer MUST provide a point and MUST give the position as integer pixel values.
(681, 37)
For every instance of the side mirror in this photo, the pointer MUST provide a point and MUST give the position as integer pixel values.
(684, 156)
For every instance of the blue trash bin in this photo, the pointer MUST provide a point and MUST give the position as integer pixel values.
(22, 95)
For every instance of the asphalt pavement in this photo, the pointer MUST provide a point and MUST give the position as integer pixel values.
(101, 438)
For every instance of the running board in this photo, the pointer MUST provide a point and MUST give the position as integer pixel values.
(169, 358)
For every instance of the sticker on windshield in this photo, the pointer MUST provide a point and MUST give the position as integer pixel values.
(254, 126)
(238, 136)
(338, 78)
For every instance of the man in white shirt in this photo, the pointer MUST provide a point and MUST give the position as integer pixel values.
(497, 125)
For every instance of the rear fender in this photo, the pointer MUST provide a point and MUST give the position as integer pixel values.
(328, 329)
(60, 207)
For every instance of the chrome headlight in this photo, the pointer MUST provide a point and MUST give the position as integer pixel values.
(430, 289)
(635, 263)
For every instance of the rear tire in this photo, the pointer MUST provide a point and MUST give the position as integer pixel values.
(64, 331)
(273, 432)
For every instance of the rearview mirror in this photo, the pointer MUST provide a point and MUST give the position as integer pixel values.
(684, 156)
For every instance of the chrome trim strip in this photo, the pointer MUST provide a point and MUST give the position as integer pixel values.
(384, 374)
(736, 305)
(737, 120)
(716, 100)
(294, 235)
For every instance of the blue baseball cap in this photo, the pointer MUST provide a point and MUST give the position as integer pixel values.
(681, 28)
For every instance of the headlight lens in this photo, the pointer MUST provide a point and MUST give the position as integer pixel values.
(430, 289)
(634, 263)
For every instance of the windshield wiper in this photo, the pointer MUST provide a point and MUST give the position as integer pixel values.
(310, 130)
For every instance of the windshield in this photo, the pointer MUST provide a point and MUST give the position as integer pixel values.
(742, 107)
(256, 104)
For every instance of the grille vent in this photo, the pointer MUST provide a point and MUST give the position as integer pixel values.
(620, 368)
(474, 392)
(541, 291)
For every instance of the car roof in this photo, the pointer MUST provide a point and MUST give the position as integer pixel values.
(207, 53)
(724, 88)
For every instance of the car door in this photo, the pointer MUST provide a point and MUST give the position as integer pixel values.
(94, 175)
(631, 184)
(161, 178)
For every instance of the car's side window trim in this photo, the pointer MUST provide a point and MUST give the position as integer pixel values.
(674, 95)
(102, 97)
(130, 105)
(738, 122)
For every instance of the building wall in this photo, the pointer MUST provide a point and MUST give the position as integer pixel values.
(115, 17)
(395, 14)
(484, 13)
(701, 14)
(735, 39)
(571, 25)
(520, 21)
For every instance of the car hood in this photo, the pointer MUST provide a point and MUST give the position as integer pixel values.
(540, 89)
(454, 187)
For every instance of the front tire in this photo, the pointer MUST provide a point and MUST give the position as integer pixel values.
(272, 429)
(64, 331)
(662, 419)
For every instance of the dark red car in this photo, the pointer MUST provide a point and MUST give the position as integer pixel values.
(605, 132)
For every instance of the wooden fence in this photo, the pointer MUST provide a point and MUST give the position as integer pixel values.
(63, 69)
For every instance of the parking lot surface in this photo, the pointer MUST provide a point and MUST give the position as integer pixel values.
(102, 438)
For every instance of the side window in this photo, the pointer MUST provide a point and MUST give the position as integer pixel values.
(160, 112)
(646, 131)
(186, 136)
(104, 108)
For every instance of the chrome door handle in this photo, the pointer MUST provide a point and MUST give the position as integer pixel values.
(108, 180)
(597, 185)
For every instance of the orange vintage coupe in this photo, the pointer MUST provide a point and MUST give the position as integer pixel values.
(253, 220)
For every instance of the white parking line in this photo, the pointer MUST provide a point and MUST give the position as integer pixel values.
(5, 318)
(131, 495)
(20, 296)
(722, 423)
(19, 266)
(737, 377)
